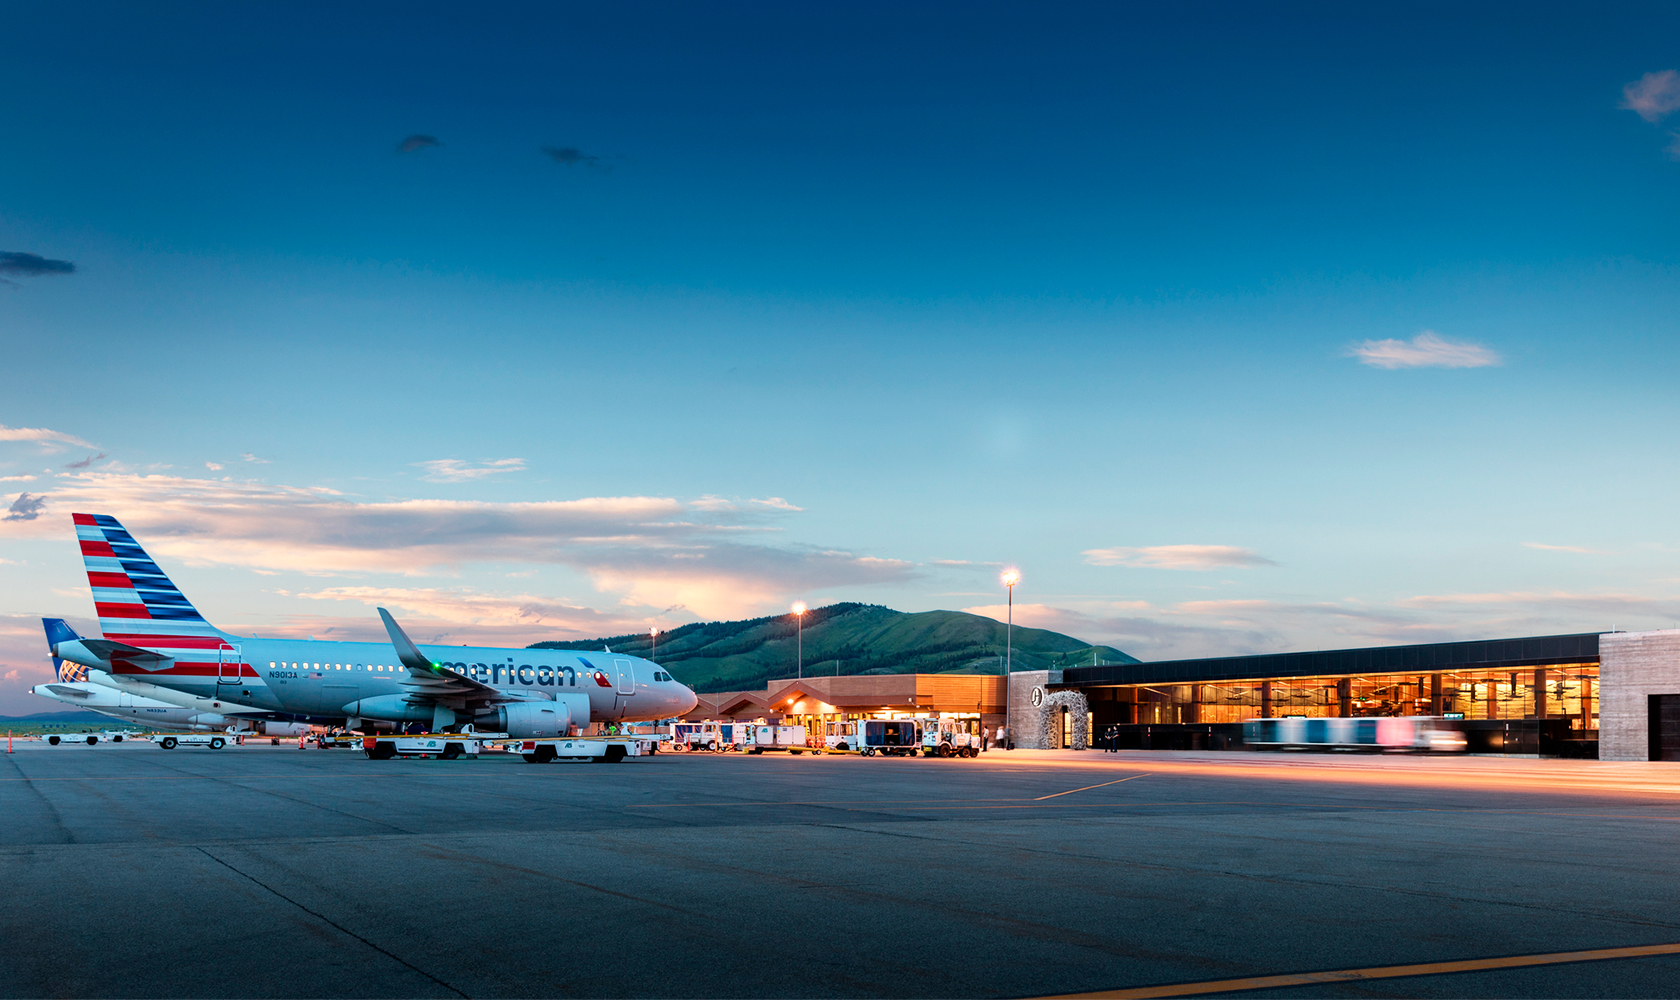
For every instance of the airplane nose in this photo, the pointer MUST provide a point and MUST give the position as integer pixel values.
(686, 701)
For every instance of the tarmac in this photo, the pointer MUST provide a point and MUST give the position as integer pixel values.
(266, 871)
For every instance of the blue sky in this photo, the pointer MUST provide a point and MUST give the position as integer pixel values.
(675, 312)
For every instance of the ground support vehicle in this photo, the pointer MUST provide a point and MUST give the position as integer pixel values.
(339, 741)
(170, 741)
(431, 746)
(789, 738)
(869, 737)
(711, 737)
(948, 738)
(601, 749)
(54, 739)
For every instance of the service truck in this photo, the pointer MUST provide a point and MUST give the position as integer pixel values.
(214, 741)
(708, 736)
(949, 738)
(789, 738)
(54, 739)
(869, 737)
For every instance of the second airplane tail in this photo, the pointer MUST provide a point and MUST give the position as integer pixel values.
(57, 632)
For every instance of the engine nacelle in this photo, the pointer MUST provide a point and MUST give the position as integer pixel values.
(536, 719)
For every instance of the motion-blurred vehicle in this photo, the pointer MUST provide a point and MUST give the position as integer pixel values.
(1413, 733)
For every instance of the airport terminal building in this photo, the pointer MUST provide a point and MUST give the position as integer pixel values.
(1613, 695)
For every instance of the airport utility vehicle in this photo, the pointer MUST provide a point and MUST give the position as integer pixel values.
(54, 739)
(949, 738)
(708, 736)
(875, 736)
(214, 741)
(789, 738)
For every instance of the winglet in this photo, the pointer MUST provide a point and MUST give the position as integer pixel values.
(407, 651)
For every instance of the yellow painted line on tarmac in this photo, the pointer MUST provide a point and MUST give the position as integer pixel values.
(1087, 788)
(1379, 972)
(913, 803)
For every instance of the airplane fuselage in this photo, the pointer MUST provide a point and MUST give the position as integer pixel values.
(321, 679)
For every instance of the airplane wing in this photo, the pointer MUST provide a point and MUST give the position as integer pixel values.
(429, 682)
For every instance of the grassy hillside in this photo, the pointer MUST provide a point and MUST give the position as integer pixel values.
(848, 639)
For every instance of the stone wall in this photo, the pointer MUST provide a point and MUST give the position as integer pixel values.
(1025, 719)
(1632, 667)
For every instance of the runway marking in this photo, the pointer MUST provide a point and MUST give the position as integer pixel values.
(1087, 788)
(1379, 972)
(912, 803)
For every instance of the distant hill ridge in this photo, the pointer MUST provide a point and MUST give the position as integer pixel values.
(846, 638)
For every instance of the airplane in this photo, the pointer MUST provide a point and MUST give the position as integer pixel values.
(153, 634)
(136, 701)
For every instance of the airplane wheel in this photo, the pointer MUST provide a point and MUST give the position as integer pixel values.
(217, 743)
(168, 743)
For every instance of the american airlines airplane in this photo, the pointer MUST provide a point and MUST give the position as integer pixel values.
(138, 702)
(153, 634)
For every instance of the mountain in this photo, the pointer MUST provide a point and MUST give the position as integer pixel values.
(848, 639)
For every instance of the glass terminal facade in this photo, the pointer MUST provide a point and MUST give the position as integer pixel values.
(1545, 677)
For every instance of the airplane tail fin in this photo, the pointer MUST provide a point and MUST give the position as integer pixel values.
(136, 601)
(58, 632)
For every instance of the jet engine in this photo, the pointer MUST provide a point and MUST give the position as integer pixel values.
(534, 719)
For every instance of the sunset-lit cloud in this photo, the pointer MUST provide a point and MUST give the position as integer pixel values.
(49, 440)
(1427, 350)
(1189, 557)
(453, 470)
(1654, 95)
(1562, 548)
(653, 551)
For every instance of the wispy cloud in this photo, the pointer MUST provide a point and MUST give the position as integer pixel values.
(1563, 548)
(17, 479)
(776, 503)
(213, 466)
(650, 551)
(453, 470)
(85, 462)
(49, 440)
(415, 143)
(247, 456)
(1427, 350)
(1654, 95)
(1192, 557)
(29, 265)
(25, 508)
(570, 156)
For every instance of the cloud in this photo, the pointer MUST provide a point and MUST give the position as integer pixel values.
(29, 265)
(213, 467)
(1563, 548)
(453, 470)
(17, 479)
(247, 456)
(25, 508)
(84, 463)
(415, 143)
(1194, 557)
(1427, 350)
(10, 675)
(776, 503)
(536, 615)
(1653, 96)
(49, 440)
(655, 551)
(571, 156)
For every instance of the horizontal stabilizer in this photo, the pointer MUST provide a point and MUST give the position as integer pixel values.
(109, 649)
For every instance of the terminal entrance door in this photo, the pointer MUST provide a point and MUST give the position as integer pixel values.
(1665, 727)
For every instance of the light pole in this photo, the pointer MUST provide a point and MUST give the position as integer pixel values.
(799, 610)
(1011, 577)
(654, 632)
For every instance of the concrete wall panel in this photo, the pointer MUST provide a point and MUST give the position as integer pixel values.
(1632, 667)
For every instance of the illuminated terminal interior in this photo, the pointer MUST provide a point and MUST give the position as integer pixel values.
(1555, 691)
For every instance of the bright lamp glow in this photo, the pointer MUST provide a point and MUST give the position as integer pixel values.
(1011, 577)
(799, 607)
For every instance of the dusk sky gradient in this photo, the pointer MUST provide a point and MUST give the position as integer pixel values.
(1238, 328)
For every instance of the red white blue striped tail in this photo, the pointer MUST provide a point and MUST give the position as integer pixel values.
(137, 603)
